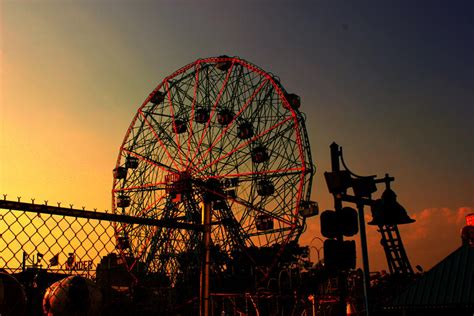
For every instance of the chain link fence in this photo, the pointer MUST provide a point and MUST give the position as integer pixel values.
(61, 244)
(55, 261)
(64, 261)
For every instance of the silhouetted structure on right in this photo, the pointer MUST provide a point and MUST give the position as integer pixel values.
(446, 289)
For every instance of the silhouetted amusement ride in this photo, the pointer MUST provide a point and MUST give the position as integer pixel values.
(224, 132)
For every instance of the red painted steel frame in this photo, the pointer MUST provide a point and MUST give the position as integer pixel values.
(185, 158)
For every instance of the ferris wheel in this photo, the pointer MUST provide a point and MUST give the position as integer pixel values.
(222, 129)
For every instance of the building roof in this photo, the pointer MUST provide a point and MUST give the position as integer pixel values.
(449, 284)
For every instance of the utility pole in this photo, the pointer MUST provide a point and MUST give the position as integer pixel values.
(365, 255)
(342, 278)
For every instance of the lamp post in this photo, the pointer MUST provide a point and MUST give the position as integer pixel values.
(342, 284)
(387, 213)
(204, 280)
(365, 256)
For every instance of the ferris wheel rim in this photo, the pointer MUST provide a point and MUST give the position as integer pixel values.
(303, 171)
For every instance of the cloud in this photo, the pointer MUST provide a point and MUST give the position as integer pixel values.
(434, 235)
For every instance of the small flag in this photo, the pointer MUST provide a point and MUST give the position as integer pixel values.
(54, 261)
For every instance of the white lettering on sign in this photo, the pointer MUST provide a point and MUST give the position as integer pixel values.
(81, 265)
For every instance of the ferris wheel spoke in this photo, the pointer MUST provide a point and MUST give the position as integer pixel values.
(299, 141)
(204, 133)
(147, 242)
(244, 144)
(193, 103)
(158, 139)
(168, 138)
(184, 100)
(250, 174)
(151, 162)
(258, 112)
(144, 245)
(249, 206)
(150, 206)
(232, 89)
(174, 121)
(165, 249)
(236, 231)
(218, 138)
(155, 241)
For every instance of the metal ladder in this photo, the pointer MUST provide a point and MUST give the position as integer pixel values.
(394, 251)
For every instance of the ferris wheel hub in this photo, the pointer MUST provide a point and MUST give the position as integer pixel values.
(178, 183)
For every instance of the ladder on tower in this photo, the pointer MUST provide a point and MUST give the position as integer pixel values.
(391, 241)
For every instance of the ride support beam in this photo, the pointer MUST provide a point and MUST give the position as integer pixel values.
(204, 284)
(82, 213)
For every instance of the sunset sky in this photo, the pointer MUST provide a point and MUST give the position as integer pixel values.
(392, 82)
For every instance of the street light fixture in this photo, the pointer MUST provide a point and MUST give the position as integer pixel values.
(387, 211)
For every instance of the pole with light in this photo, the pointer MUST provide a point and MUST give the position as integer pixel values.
(387, 214)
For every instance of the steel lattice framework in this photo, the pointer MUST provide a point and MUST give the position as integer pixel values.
(222, 129)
